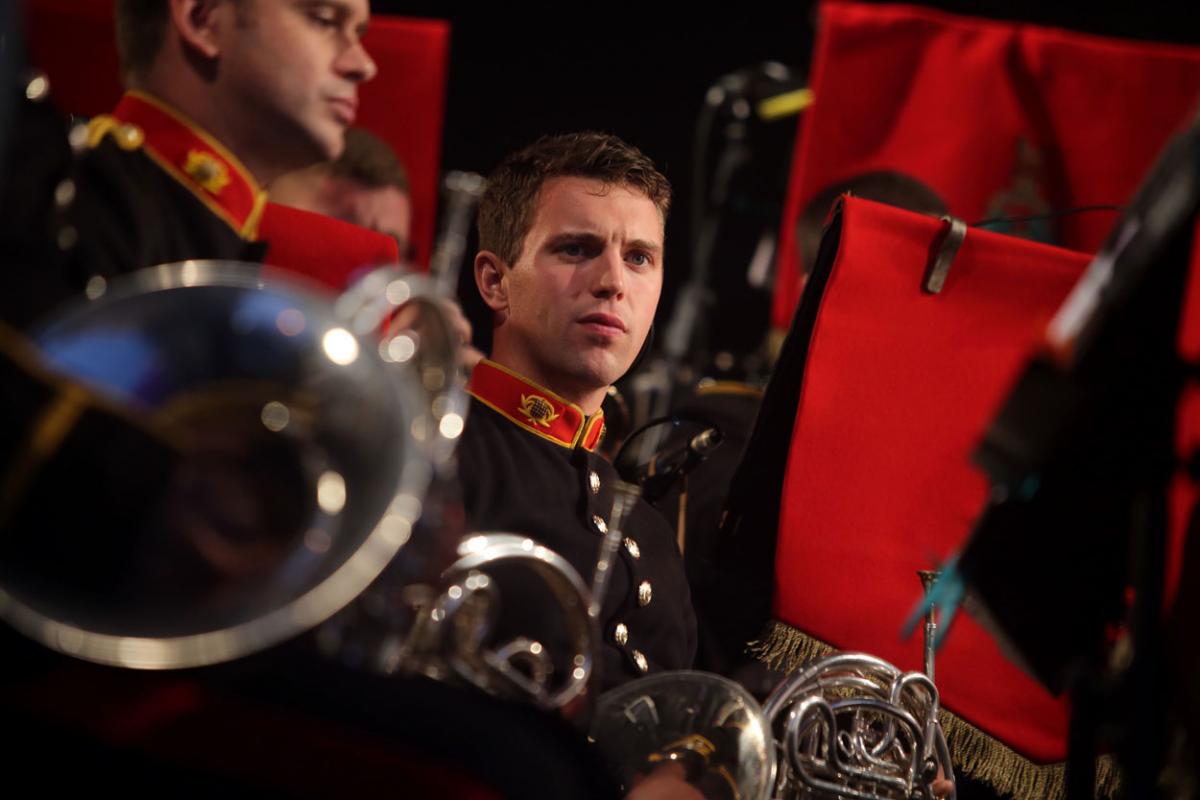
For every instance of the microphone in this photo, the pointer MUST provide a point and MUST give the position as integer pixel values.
(670, 465)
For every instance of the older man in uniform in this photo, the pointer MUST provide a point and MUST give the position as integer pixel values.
(224, 96)
(571, 265)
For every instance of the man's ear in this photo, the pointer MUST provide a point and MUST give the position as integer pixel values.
(200, 23)
(491, 274)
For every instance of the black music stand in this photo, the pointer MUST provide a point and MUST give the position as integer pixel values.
(1079, 459)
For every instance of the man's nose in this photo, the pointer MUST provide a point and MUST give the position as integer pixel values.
(355, 63)
(609, 278)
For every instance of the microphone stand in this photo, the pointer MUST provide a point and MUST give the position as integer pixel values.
(1080, 458)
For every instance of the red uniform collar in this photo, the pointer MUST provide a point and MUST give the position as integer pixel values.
(188, 154)
(535, 408)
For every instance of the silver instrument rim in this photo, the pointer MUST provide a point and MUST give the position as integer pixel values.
(764, 741)
(479, 549)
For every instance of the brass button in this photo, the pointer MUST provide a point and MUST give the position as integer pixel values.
(639, 658)
(621, 633)
(633, 548)
(64, 193)
(594, 481)
(130, 137)
(95, 287)
(38, 88)
(78, 137)
(600, 524)
(645, 593)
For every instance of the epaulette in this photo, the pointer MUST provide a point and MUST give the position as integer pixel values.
(127, 135)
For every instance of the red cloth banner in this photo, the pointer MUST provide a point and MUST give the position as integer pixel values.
(898, 386)
(979, 119)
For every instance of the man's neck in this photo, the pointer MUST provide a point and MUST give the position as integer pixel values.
(201, 107)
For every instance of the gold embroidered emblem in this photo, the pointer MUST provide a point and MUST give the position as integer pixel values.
(206, 171)
(538, 409)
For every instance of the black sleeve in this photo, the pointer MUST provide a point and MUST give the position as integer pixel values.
(34, 271)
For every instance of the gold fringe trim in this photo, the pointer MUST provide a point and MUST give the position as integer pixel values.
(975, 753)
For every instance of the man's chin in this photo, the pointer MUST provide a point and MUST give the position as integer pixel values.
(607, 374)
(326, 141)
(331, 147)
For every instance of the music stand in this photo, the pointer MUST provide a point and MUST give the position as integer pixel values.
(1079, 458)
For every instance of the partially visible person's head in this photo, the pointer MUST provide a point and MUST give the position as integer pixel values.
(141, 27)
(571, 236)
(367, 185)
(274, 80)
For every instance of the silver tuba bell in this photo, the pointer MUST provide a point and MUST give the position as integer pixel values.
(224, 460)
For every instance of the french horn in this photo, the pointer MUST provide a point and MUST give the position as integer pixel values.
(851, 725)
(848, 725)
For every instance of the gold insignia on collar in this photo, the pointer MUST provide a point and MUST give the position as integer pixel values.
(206, 171)
(538, 409)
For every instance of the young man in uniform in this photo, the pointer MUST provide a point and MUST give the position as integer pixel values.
(571, 266)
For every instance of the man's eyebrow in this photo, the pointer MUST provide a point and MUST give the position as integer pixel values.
(588, 236)
(644, 244)
(573, 236)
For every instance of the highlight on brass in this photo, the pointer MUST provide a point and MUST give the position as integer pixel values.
(406, 313)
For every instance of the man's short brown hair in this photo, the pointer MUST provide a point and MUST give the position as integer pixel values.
(141, 27)
(506, 209)
(369, 161)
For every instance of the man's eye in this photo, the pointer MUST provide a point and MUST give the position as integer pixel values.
(572, 250)
(324, 17)
(639, 259)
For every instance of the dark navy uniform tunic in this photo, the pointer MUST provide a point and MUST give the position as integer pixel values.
(528, 466)
(135, 188)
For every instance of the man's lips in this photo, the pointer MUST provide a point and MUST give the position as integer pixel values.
(600, 321)
(346, 108)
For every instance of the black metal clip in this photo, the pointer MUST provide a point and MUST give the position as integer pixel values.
(939, 267)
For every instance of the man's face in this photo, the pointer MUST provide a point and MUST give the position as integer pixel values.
(290, 69)
(582, 294)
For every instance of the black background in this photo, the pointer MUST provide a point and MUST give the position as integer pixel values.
(518, 71)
